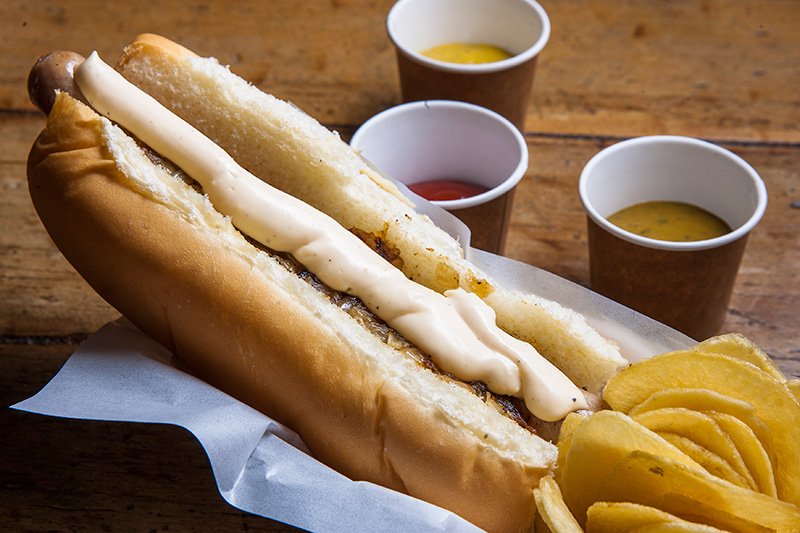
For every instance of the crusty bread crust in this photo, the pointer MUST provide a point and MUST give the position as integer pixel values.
(155, 249)
(293, 152)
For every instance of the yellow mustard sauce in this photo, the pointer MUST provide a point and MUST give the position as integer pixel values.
(670, 221)
(467, 53)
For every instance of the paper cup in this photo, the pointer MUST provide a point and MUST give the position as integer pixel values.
(440, 139)
(686, 285)
(519, 26)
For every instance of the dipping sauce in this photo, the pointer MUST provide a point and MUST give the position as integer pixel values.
(446, 189)
(467, 53)
(670, 221)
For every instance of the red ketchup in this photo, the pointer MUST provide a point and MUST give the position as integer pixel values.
(438, 190)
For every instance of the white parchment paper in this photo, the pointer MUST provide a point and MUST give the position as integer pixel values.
(261, 466)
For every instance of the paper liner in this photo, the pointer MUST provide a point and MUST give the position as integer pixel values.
(261, 466)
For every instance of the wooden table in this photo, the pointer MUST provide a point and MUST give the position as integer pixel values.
(722, 70)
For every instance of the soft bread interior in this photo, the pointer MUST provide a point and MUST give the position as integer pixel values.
(292, 151)
(155, 248)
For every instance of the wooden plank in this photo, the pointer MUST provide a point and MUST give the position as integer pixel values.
(41, 293)
(334, 61)
(718, 69)
(721, 69)
(65, 474)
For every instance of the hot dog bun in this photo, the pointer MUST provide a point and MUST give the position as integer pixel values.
(293, 152)
(153, 246)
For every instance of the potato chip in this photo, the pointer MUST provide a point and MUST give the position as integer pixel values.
(676, 527)
(738, 346)
(701, 429)
(568, 427)
(794, 386)
(563, 452)
(753, 454)
(773, 402)
(596, 445)
(694, 495)
(614, 517)
(711, 463)
(539, 526)
(707, 400)
(552, 509)
(570, 424)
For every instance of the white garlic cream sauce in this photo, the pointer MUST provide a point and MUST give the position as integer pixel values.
(457, 329)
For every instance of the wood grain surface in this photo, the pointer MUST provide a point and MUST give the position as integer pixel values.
(722, 70)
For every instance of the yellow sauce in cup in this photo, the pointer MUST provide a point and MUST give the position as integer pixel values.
(467, 53)
(670, 221)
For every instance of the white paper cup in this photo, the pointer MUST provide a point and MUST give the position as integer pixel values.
(440, 139)
(521, 27)
(686, 285)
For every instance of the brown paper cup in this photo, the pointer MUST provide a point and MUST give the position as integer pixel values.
(488, 222)
(445, 139)
(520, 26)
(686, 285)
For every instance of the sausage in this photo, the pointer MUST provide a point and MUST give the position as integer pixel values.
(54, 72)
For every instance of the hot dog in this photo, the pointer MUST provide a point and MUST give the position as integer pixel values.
(289, 149)
(257, 323)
